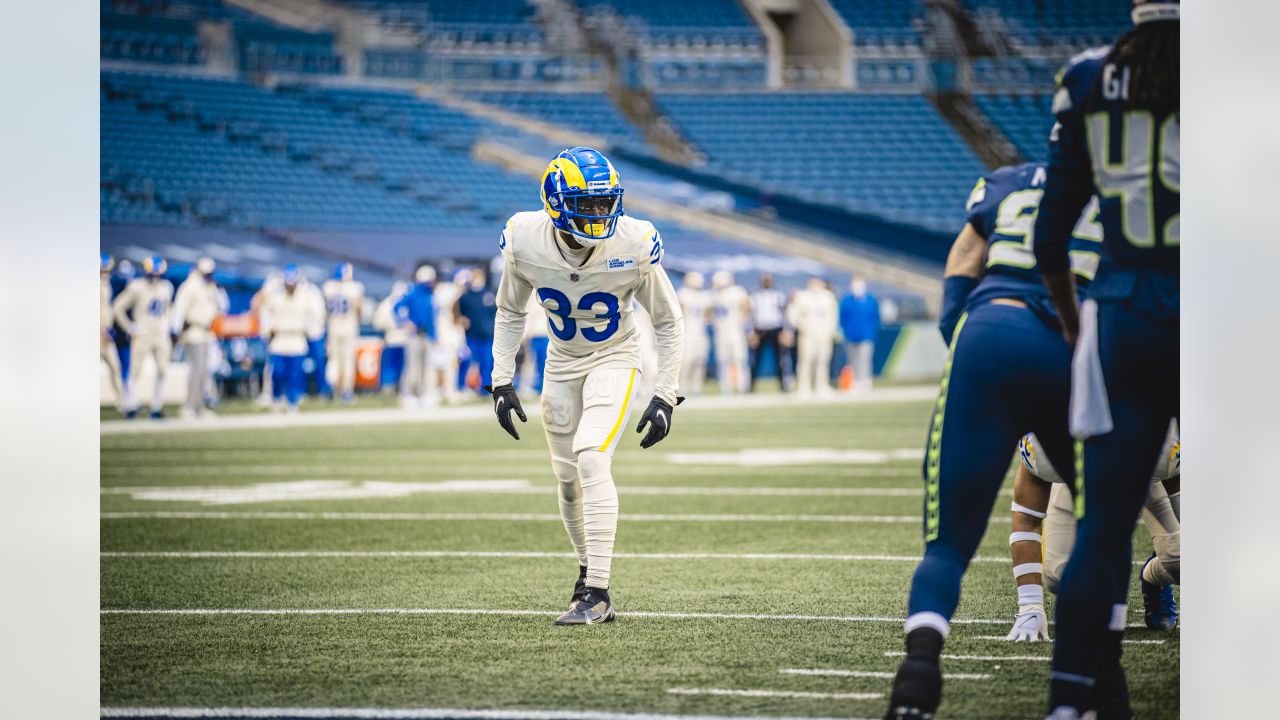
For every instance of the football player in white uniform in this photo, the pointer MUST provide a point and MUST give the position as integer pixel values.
(1044, 529)
(695, 303)
(730, 308)
(149, 300)
(106, 324)
(585, 262)
(344, 304)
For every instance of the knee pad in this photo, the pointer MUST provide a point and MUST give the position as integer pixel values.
(594, 467)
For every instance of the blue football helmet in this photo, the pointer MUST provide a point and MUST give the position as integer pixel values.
(291, 274)
(106, 263)
(154, 266)
(582, 194)
(344, 271)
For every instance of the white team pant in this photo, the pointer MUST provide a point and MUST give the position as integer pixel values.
(111, 357)
(813, 363)
(584, 420)
(160, 349)
(341, 356)
(1059, 532)
(731, 359)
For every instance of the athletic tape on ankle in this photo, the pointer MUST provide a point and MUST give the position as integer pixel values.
(1030, 595)
(1025, 510)
(1028, 569)
(1022, 536)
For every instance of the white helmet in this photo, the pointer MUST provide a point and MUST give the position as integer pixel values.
(694, 280)
(721, 279)
(425, 274)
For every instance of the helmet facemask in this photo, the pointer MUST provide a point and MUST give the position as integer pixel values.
(593, 217)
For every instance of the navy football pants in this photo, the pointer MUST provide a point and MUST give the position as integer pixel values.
(1008, 374)
(1139, 356)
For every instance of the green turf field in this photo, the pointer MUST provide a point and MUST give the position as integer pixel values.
(379, 522)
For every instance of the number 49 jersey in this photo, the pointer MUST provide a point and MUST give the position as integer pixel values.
(589, 317)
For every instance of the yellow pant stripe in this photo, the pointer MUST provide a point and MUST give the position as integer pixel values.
(933, 500)
(1079, 499)
(622, 415)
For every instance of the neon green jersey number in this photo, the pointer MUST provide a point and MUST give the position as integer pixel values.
(1142, 146)
(1015, 218)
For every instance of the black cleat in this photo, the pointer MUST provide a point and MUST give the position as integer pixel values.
(917, 691)
(591, 609)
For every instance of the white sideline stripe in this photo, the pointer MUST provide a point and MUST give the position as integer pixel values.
(409, 714)
(470, 611)
(277, 492)
(727, 692)
(1003, 638)
(507, 517)
(822, 672)
(299, 554)
(984, 658)
(412, 471)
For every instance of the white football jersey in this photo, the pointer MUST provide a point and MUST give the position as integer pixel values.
(342, 303)
(815, 311)
(588, 306)
(106, 318)
(149, 301)
(726, 309)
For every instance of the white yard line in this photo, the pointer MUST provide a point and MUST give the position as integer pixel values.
(1002, 638)
(822, 672)
(482, 411)
(303, 554)
(516, 613)
(982, 658)
(506, 517)
(500, 486)
(368, 713)
(728, 692)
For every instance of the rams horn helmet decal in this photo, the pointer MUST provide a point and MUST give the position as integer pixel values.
(154, 265)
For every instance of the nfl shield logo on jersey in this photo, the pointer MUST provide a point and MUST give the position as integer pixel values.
(573, 277)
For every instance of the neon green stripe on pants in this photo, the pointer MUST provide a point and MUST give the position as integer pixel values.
(933, 501)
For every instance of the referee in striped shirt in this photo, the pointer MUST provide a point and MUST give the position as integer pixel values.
(768, 323)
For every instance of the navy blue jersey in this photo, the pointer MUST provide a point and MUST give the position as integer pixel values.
(1002, 209)
(1129, 159)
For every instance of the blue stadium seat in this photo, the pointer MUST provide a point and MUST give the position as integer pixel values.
(1025, 119)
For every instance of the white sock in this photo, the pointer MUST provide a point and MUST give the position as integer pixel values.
(599, 512)
(571, 514)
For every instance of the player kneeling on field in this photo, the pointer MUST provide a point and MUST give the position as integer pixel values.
(585, 262)
(1040, 497)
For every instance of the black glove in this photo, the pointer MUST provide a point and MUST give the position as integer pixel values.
(658, 417)
(504, 401)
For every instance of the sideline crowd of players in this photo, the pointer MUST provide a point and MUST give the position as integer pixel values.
(437, 335)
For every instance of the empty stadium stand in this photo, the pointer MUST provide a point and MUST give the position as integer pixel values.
(1025, 119)
(875, 22)
(890, 155)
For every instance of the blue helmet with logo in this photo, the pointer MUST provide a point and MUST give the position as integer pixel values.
(344, 271)
(154, 266)
(291, 274)
(582, 194)
(106, 263)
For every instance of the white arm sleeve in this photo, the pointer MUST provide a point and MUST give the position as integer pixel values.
(508, 326)
(658, 297)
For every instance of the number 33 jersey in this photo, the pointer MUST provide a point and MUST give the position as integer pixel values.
(588, 304)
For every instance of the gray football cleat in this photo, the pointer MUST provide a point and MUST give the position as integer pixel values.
(591, 609)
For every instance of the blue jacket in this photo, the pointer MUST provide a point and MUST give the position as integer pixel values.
(418, 307)
(859, 318)
(480, 308)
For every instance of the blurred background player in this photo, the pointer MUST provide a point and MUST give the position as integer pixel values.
(421, 387)
(149, 302)
(106, 329)
(535, 335)
(587, 262)
(395, 335)
(198, 303)
(451, 340)
(317, 370)
(1008, 374)
(730, 308)
(287, 317)
(1117, 137)
(695, 303)
(1040, 497)
(344, 305)
(769, 330)
(815, 314)
(475, 312)
(860, 322)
